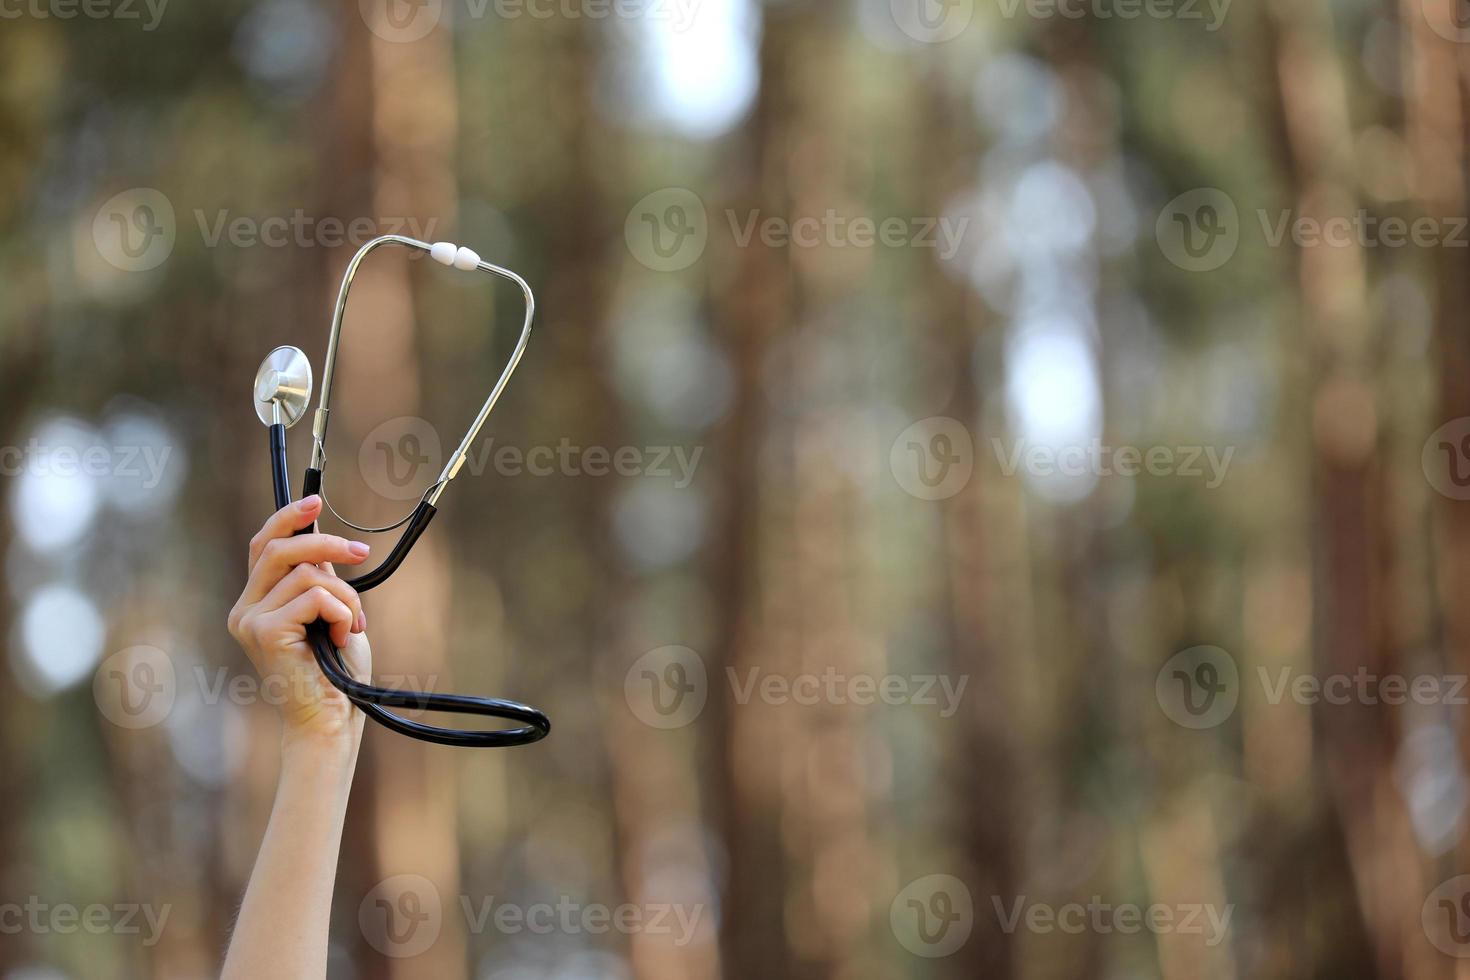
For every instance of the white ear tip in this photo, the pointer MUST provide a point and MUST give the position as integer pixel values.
(466, 259)
(442, 252)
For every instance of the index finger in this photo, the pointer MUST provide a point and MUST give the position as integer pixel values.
(284, 523)
(280, 555)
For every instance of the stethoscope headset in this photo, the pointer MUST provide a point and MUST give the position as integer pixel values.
(282, 391)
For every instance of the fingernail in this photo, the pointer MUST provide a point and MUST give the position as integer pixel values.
(359, 624)
(311, 503)
(358, 549)
(362, 618)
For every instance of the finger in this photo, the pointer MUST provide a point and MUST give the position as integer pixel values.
(280, 555)
(317, 603)
(284, 523)
(304, 577)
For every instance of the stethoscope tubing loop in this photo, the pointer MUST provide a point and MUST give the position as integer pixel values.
(375, 701)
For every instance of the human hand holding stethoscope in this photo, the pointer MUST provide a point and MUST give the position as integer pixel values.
(291, 585)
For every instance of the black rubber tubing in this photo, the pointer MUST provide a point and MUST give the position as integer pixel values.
(375, 701)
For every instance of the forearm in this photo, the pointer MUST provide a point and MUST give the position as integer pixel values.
(282, 928)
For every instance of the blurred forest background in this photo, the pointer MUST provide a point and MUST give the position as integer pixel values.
(873, 687)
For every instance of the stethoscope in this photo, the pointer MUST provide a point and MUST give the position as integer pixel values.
(282, 391)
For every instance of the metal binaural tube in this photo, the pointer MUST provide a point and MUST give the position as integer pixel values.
(319, 422)
(446, 254)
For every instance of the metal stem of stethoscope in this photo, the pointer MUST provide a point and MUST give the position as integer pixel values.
(282, 391)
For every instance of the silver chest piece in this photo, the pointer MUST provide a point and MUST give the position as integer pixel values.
(282, 386)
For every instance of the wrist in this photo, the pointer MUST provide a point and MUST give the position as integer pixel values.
(319, 752)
